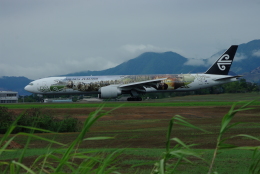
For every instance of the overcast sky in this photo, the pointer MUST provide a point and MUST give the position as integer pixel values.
(41, 38)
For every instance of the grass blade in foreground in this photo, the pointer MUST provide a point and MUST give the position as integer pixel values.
(225, 126)
(180, 151)
(255, 164)
(61, 160)
(93, 117)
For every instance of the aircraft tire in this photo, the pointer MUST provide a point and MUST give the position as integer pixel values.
(134, 99)
(130, 99)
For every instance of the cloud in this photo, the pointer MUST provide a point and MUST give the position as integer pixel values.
(56, 67)
(90, 62)
(256, 53)
(204, 62)
(131, 51)
(239, 57)
(214, 58)
(210, 61)
(195, 62)
(141, 48)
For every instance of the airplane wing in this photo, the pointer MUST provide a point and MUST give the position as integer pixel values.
(225, 78)
(142, 84)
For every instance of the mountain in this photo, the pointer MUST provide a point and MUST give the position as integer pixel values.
(256, 71)
(148, 63)
(249, 53)
(253, 76)
(14, 84)
(247, 59)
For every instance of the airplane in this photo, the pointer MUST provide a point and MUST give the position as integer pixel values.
(114, 85)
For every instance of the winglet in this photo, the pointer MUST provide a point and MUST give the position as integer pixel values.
(223, 64)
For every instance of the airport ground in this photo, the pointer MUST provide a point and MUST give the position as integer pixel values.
(143, 129)
(146, 127)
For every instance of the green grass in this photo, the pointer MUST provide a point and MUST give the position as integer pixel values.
(217, 97)
(228, 161)
(16, 153)
(190, 100)
(128, 104)
(127, 151)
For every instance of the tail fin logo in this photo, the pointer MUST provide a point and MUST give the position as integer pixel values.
(223, 62)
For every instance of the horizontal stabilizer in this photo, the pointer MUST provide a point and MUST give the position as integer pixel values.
(225, 78)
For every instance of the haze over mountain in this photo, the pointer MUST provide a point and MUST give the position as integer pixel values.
(148, 63)
(247, 62)
(247, 58)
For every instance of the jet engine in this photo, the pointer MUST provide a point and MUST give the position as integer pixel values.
(109, 92)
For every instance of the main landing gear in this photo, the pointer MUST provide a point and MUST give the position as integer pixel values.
(134, 96)
(134, 99)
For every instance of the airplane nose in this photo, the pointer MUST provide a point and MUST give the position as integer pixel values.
(27, 88)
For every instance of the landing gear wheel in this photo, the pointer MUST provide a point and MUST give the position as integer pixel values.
(134, 99)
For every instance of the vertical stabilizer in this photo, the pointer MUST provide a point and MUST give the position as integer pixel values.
(223, 64)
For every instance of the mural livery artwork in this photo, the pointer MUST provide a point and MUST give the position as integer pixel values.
(171, 82)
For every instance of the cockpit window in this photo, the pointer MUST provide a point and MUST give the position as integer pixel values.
(31, 84)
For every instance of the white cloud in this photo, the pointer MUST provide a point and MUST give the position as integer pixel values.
(212, 59)
(140, 48)
(204, 62)
(55, 68)
(239, 57)
(131, 51)
(196, 62)
(256, 53)
(90, 63)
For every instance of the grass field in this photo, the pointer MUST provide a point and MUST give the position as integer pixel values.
(141, 132)
(231, 161)
(191, 100)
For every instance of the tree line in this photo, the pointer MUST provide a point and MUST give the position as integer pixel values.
(240, 86)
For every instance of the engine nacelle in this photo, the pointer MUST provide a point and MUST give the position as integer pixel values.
(109, 92)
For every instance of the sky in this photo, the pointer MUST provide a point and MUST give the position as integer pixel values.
(41, 38)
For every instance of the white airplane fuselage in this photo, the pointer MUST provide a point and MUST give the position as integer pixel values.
(115, 85)
(92, 84)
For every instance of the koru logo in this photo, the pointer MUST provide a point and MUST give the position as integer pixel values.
(223, 61)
